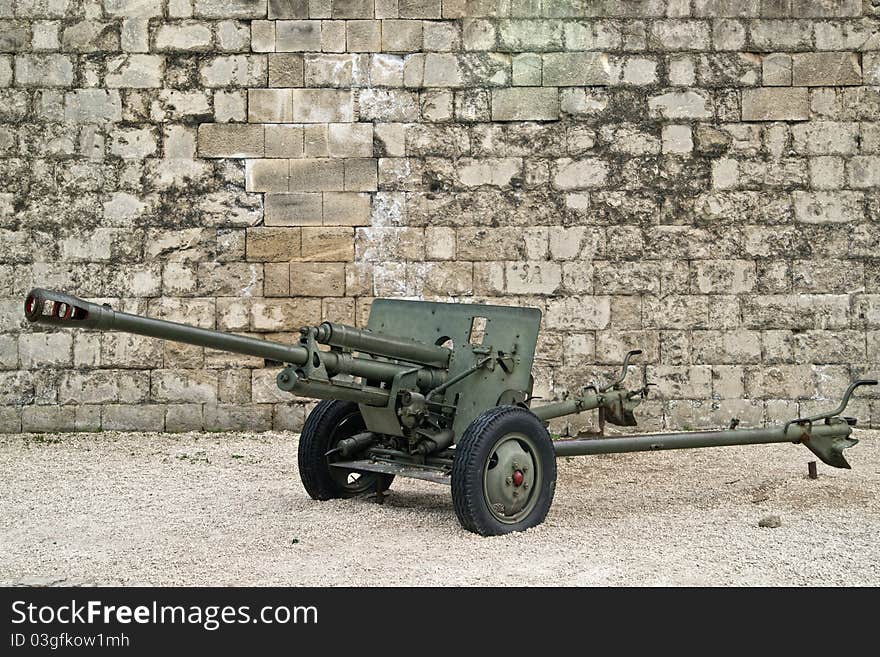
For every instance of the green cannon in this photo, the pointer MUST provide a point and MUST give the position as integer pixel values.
(442, 392)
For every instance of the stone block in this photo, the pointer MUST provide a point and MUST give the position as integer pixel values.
(298, 36)
(285, 70)
(262, 36)
(579, 174)
(328, 244)
(230, 8)
(674, 105)
(134, 71)
(526, 70)
(273, 244)
(183, 37)
(298, 209)
(230, 140)
(826, 69)
(316, 175)
(43, 70)
(567, 69)
(93, 106)
(534, 277)
(360, 175)
(525, 104)
(267, 175)
(346, 209)
(270, 105)
(324, 279)
(401, 36)
(775, 104)
(864, 171)
(776, 70)
(322, 105)
(143, 417)
(285, 141)
(363, 36)
(836, 207)
(352, 8)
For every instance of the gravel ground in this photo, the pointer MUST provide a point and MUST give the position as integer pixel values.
(228, 509)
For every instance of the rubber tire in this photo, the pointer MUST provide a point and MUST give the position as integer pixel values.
(316, 439)
(471, 454)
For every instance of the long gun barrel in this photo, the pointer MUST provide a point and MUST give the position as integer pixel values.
(54, 308)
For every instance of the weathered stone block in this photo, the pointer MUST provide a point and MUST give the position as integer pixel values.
(284, 141)
(775, 104)
(293, 209)
(230, 140)
(92, 106)
(328, 244)
(270, 105)
(230, 8)
(135, 71)
(525, 104)
(262, 36)
(530, 35)
(497, 172)
(677, 139)
(681, 382)
(419, 8)
(267, 176)
(273, 244)
(568, 69)
(133, 418)
(822, 69)
(401, 36)
(316, 175)
(363, 36)
(828, 207)
(360, 175)
(717, 8)
(298, 36)
(679, 35)
(90, 36)
(533, 277)
(325, 279)
(579, 174)
(185, 37)
(183, 386)
(680, 105)
(578, 313)
(285, 70)
(234, 71)
(43, 70)
(781, 35)
(352, 8)
(864, 171)
(776, 70)
(45, 350)
(346, 209)
(322, 105)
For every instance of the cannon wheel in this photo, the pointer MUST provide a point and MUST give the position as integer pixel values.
(330, 422)
(504, 472)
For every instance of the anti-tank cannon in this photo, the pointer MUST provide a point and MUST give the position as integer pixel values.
(441, 392)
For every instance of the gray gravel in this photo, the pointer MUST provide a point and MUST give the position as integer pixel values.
(228, 509)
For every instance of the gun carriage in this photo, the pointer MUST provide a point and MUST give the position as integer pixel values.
(442, 392)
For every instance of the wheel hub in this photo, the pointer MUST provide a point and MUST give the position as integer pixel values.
(510, 479)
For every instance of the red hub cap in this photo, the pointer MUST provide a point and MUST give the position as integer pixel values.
(517, 478)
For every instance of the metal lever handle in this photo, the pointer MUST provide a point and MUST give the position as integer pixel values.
(843, 402)
(619, 380)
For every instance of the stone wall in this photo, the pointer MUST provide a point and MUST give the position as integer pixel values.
(697, 178)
